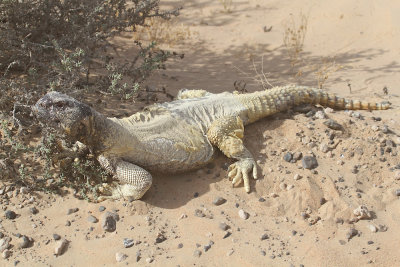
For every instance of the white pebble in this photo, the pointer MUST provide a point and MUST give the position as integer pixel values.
(319, 114)
(297, 177)
(244, 215)
(60, 247)
(120, 256)
(373, 228)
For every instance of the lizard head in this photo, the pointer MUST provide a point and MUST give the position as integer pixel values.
(64, 114)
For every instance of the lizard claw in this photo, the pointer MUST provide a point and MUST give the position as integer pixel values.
(239, 171)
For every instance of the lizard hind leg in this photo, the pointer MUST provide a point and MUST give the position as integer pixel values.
(227, 133)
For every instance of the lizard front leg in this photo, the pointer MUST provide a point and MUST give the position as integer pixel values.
(136, 180)
(227, 133)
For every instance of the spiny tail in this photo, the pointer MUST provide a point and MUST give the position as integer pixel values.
(264, 103)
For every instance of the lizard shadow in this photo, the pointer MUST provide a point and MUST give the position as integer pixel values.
(175, 190)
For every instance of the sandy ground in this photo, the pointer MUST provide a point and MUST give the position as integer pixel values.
(303, 222)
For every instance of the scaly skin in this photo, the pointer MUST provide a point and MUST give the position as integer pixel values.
(179, 135)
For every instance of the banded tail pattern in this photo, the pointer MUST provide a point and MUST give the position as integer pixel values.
(263, 103)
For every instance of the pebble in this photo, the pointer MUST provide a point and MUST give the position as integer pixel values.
(223, 226)
(264, 237)
(4, 243)
(56, 237)
(297, 156)
(328, 110)
(197, 253)
(297, 177)
(373, 228)
(351, 233)
(24, 242)
(70, 211)
(128, 242)
(6, 254)
(309, 162)
(119, 257)
(180, 245)
(149, 260)
(283, 186)
(34, 210)
(230, 252)
(244, 215)
(385, 129)
(160, 238)
(319, 114)
(383, 228)
(67, 223)
(362, 212)
(109, 221)
(324, 148)
(60, 247)
(288, 157)
(397, 192)
(375, 128)
(219, 201)
(102, 208)
(11, 215)
(397, 175)
(92, 219)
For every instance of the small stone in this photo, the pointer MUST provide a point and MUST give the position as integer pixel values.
(244, 215)
(207, 247)
(264, 237)
(11, 215)
(34, 210)
(324, 148)
(70, 211)
(138, 256)
(219, 201)
(319, 114)
(180, 245)
(102, 208)
(230, 252)
(289, 187)
(375, 128)
(119, 257)
(383, 228)
(60, 247)
(370, 242)
(109, 221)
(283, 186)
(56, 237)
(92, 219)
(385, 129)
(397, 192)
(24, 242)
(309, 162)
(322, 201)
(128, 242)
(351, 233)
(149, 260)
(274, 195)
(160, 238)
(261, 199)
(297, 156)
(223, 226)
(314, 219)
(297, 177)
(67, 223)
(6, 254)
(196, 194)
(199, 213)
(373, 228)
(397, 175)
(362, 212)
(197, 253)
(226, 234)
(288, 157)
(4, 243)
(328, 110)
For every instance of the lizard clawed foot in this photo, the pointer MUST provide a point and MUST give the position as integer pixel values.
(117, 191)
(239, 171)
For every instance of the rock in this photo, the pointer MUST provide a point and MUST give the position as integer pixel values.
(67, 223)
(372, 228)
(314, 219)
(34, 210)
(219, 201)
(297, 156)
(92, 219)
(138, 256)
(60, 247)
(109, 221)
(383, 228)
(230, 252)
(282, 186)
(24, 242)
(322, 201)
(4, 243)
(119, 257)
(362, 212)
(70, 211)
(397, 175)
(385, 129)
(102, 208)
(397, 192)
(351, 233)
(244, 215)
(197, 253)
(319, 114)
(180, 245)
(128, 242)
(288, 157)
(297, 177)
(149, 260)
(6, 254)
(160, 238)
(11, 215)
(56, 237)
(223, 226)
(264, 237)
(324, 148)
(309, 162)
(199, 213)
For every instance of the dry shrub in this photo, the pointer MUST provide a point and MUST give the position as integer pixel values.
(294, 36)
(163, 32)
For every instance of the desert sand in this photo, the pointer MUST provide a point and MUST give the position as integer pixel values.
(296, 216)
